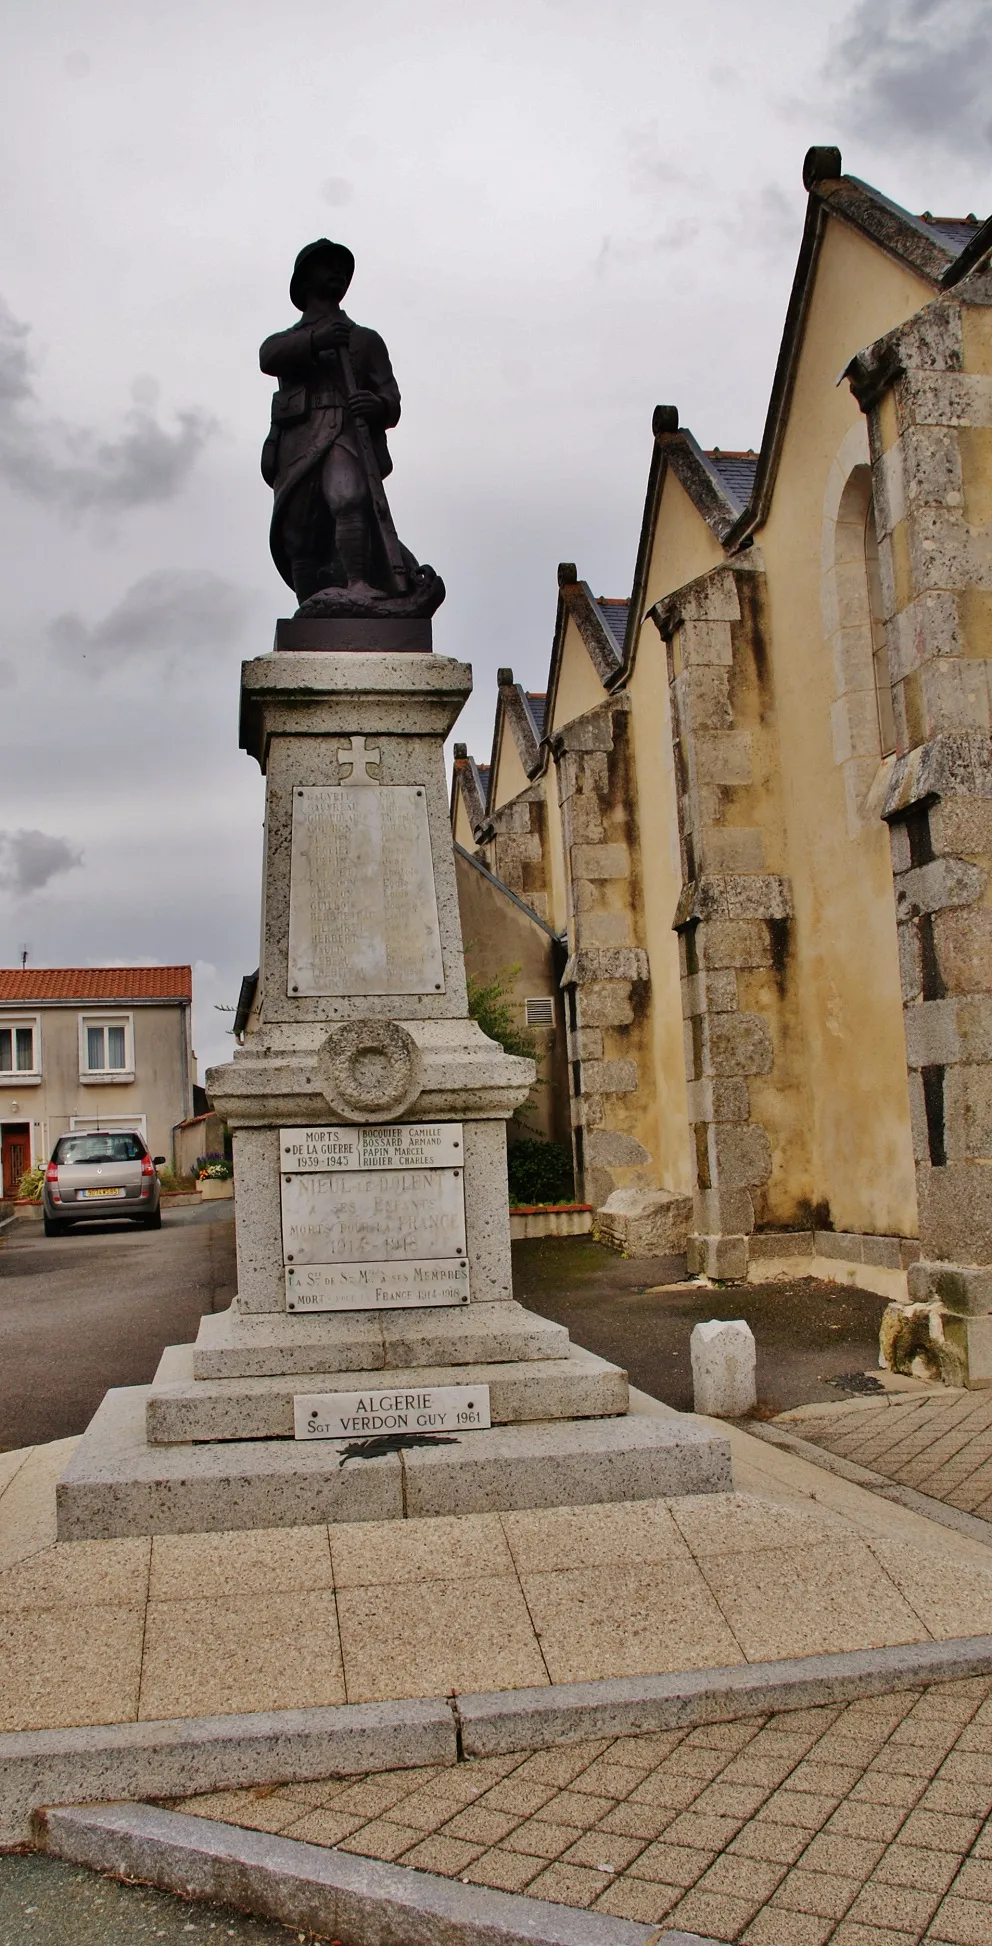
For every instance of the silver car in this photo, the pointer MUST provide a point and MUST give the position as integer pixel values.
(101, 1174)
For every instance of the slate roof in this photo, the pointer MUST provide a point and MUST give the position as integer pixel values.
(614, 611)
(34, 985)
(736, 473)
(537, 703)
(954, 231)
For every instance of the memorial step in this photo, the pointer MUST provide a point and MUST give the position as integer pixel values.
(116, 1485)
(239, 1344)
(182, 1408)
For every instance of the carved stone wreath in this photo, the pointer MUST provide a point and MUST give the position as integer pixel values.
(370, 1070)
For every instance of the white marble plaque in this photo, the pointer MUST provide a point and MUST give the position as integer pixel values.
(410, 1145)
(373, 1216)
(362, 904)
(365, 1415)
(371, 1287)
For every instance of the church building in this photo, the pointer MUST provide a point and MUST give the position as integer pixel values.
(752, 805)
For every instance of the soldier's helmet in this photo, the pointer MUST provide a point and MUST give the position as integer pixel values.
(322, 247)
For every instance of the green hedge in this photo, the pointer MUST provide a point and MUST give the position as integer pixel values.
(540, 1172)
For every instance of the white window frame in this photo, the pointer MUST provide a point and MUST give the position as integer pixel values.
(12, 1078)
(106, 1077)
(91, 1124)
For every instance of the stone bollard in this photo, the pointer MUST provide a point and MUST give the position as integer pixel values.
(723, 1358)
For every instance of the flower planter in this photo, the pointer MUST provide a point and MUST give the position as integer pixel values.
(551, 1220)
(216, 1191)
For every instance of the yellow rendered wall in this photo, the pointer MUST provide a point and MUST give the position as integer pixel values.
(846, 958)
(975, 448)
(578, 688)
(462, 831)
(558, 890)
(511, 777)
(661, 884)
(683, 547)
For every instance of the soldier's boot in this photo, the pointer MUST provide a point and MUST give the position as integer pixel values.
(308, 577)
(354, 547)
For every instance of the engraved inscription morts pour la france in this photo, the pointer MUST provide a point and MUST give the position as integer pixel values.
(363, 915)
(373, 1217)
(363, 1217)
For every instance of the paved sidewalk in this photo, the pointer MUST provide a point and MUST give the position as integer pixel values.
(102, 1632)
(868, 1824)
(938, 1442)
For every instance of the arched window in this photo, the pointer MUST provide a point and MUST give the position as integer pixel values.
(862, 717)
(876, 614)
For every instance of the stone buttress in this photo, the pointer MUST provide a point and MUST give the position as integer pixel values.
(927, 391)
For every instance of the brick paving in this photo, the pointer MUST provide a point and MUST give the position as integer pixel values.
(939, 1443)
(865, 1824)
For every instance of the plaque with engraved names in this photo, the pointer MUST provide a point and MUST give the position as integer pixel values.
(382, 1411)
(373, 1216)
(386, 1145)
(373, 1287)
(362, 903)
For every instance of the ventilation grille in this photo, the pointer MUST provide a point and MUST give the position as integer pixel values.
(539, 1013)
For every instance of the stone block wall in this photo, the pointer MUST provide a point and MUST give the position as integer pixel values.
(743, 1050)
(927, 392)
(517, 849)
(606, 979)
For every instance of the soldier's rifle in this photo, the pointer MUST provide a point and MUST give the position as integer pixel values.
(395, 564)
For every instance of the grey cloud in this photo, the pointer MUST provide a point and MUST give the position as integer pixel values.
(71, 467)
(168, 614)
(916, 69)
(8, 674)
(29, 859)
(650, 166)
(624, 253)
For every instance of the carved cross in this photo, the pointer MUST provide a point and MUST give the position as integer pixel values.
(355, 756)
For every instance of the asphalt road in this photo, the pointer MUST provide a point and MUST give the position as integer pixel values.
(808, 1334)
(96, 1307)
(46, 1903)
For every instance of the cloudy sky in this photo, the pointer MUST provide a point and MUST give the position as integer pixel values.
(562, 211)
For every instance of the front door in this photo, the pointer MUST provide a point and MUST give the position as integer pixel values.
(15, 1153)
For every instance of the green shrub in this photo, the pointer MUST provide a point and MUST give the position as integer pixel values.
(489, 1003)
(540, 1172)
(29, 1187)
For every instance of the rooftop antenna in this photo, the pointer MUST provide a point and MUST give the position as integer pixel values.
(24, 951)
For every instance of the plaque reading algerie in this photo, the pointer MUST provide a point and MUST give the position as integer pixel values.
(413, 1409)
(373, 1216)
(362, 904)
(370, 1287)
(386, 1145)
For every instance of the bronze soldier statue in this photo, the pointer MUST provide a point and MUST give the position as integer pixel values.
(332, 536)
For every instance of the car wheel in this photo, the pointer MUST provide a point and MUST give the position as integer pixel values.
(152, 1222)
(54, 1228)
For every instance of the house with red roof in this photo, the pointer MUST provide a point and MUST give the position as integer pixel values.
(91, 1047)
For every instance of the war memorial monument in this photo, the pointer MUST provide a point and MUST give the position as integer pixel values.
(374, 1364)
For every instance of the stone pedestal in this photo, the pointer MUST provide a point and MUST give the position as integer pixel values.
(374, 1319)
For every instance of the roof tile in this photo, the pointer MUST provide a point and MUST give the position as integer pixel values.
(36, 984)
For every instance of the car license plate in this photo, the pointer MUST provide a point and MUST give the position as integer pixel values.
(103, 1192)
